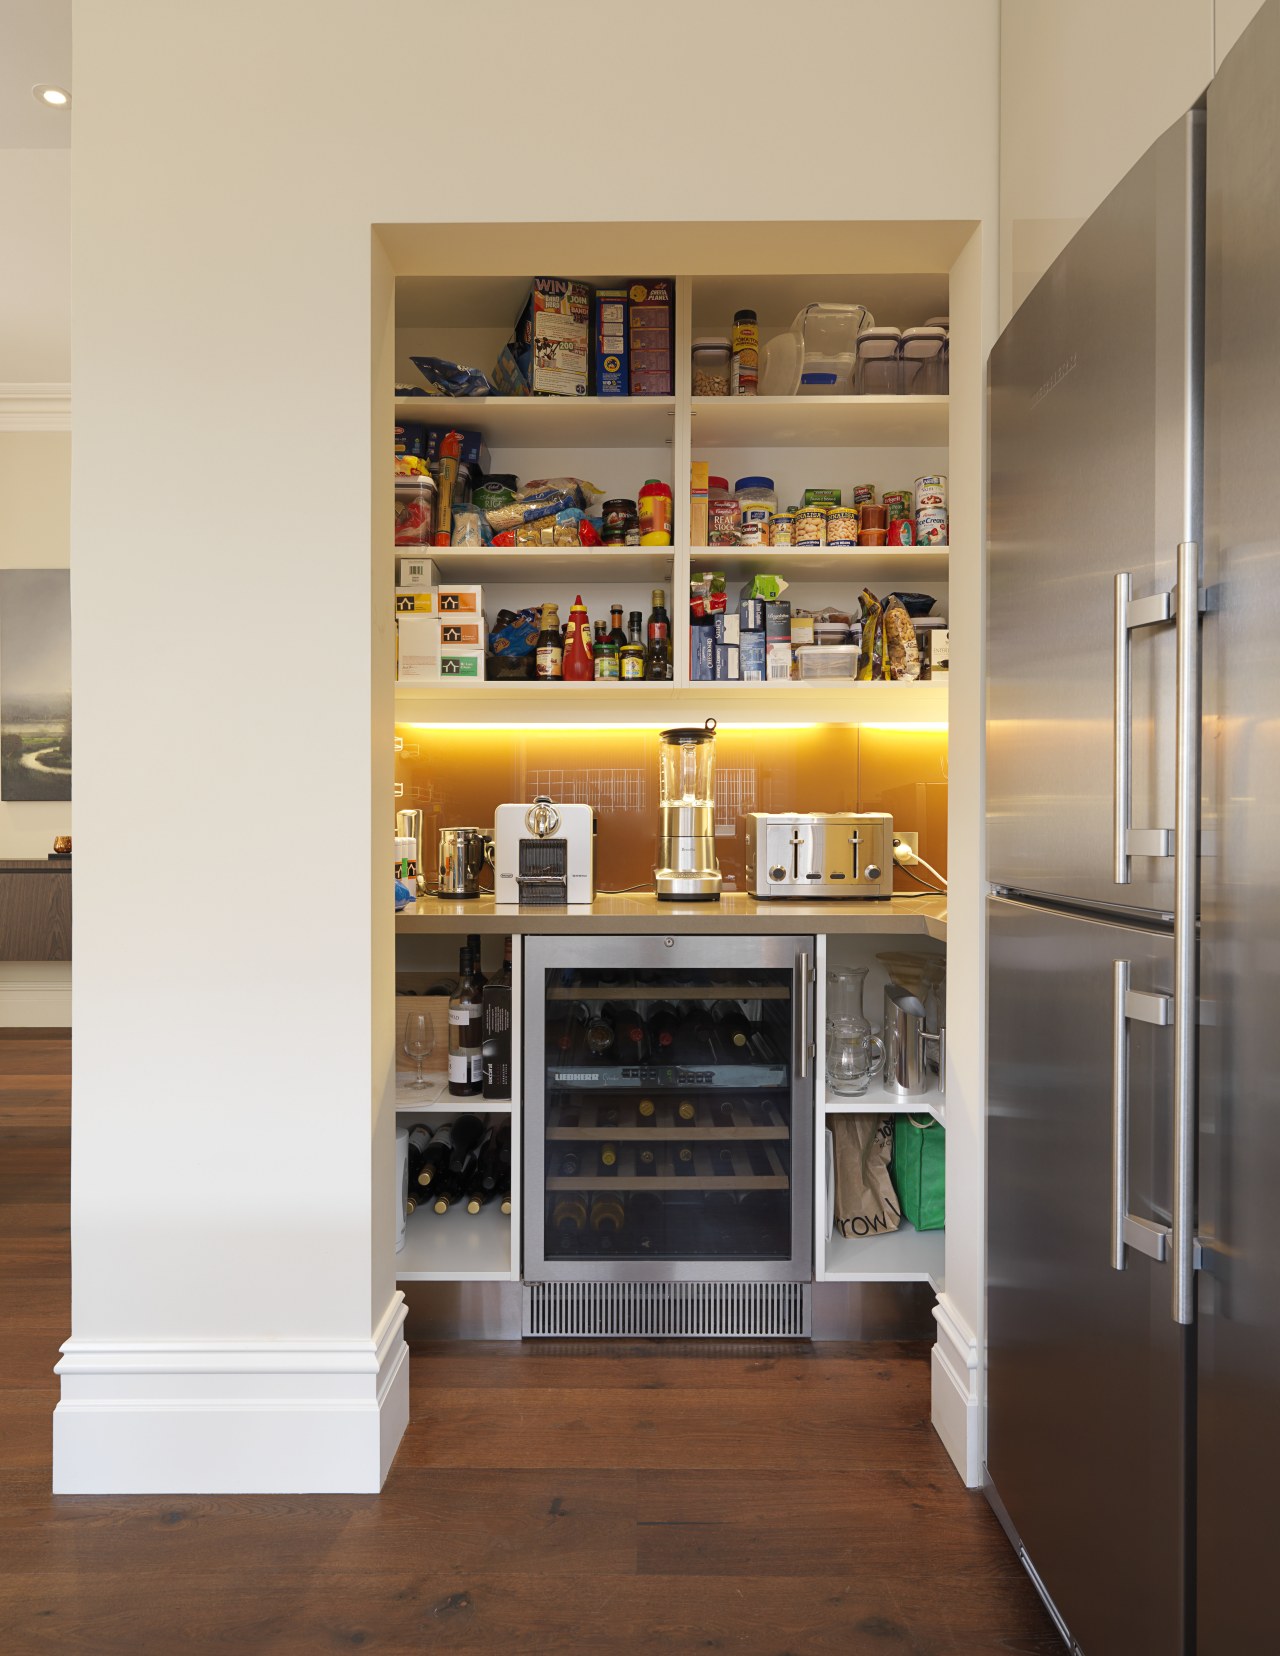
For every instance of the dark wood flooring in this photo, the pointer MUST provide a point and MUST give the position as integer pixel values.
(546, 1499)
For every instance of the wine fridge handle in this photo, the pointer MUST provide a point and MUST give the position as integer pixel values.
(805, 975)
(1122, 737)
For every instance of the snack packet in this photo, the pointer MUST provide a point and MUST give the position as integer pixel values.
(871, 651)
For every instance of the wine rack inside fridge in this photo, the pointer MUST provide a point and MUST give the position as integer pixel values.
(669, 1111)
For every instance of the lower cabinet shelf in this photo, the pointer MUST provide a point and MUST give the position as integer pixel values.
(904, 1255)
(457, 1246)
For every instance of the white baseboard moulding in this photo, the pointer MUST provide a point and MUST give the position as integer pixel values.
(957, 1400)
(230, 1417)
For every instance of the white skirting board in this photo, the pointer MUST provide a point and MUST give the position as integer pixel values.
(35, 994)
(957, 1403)
(231, 1417)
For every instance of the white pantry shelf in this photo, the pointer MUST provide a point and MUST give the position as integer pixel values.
(879, 1101)
(904, 1255)
(883, 568)
(818, 422)
(549, 422)
(580, 566)
(456, 1246)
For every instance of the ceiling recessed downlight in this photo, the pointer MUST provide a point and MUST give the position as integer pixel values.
(56, 96)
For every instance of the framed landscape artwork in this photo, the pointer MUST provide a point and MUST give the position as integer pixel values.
(35, 684)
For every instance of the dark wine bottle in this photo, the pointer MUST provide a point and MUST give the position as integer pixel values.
(687, 1110)
(606, 1221)
(607, 1115)
(410, 1203)
(664, 1027)
(721, 1114)
(570, 1165)
(419, 1139)
(468, 1132)
(569, 1216)
(722, 1161)
(645, 1222)
(646, 1161)
(734, 1032)
(631, 1036)
(502, 1166)
(684, 1158)
(608, 1167)
(697, 1042)
(569, 1042)
(647, 1113)
(435, 1158)
(465, 1032)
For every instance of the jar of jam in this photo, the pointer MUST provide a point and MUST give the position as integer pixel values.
(621, 523)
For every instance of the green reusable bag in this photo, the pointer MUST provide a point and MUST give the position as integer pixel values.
(920, 1170)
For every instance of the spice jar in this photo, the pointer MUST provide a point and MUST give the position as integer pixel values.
(757, 503)
(810, 526)
(711, 358)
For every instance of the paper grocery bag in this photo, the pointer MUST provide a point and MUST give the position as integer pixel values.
(866, 1203)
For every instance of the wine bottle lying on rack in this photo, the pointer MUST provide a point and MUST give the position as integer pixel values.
(664, 1029)
(631, 1036)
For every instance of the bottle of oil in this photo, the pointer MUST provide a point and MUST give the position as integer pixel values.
(550, 654)
(657, 658)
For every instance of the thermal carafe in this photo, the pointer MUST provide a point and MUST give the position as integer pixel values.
(687, 868)
(906, 1073)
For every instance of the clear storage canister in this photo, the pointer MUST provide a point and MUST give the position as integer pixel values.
(920, 353)
(711, 357)
(757, 503)
(415, 511)
(878, 371)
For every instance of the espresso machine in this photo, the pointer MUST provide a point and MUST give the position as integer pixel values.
(687, 869)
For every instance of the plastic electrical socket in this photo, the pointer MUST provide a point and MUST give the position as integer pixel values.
(906, 847)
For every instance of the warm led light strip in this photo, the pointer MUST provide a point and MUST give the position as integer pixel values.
(552, 727)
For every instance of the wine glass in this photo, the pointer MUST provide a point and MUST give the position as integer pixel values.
(419, 1042)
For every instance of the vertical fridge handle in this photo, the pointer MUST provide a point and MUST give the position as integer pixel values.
(1185, 913)
(804, 973)
(1137, 1005)
(1122, 734)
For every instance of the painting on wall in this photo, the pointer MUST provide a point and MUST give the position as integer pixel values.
(35, 684)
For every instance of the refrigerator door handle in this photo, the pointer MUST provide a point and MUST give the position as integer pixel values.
(1127, 1230)
(804, 977)
(1130, 842)
(1186, 908)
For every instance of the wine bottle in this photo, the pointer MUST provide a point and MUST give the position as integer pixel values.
(721, 1114)
(657, 655)
(570, 1036)
(419, 1139)
(609, 1160)
(630, 1034)
(465, 1059)
(410, 1203)
(600, 1034)
(687, 1110)
(435, 1158)
(684, 1158)
(606, 1221)
(722, 1161)
(502, 1166)
(647, 1113)
(698, 1043)
(569, 1216)
(468, 1133)
(734, 1031)
(570, 1165)
(473, 943)
(616, 633)
(664, 1027)
(478, 1197)
(607, 1115)
(646, 1161)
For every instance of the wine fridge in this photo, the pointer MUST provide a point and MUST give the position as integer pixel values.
(669, 1133)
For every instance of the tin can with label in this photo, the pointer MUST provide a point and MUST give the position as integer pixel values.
(931, 491)
(895, 511)
(782, 529)
(898, 497)
(864, 494)
(842, 526)
(931, 526)
(810, 526)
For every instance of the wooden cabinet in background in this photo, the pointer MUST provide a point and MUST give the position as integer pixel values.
(35, 910)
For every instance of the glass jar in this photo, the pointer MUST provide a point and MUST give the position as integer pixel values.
(711, 358)
(757, 503)
(620, 523)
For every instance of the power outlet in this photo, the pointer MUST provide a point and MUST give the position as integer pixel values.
(910, 840)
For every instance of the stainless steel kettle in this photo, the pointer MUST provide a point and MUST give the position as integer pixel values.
(463, 854)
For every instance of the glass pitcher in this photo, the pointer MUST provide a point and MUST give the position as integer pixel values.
(854, 1054)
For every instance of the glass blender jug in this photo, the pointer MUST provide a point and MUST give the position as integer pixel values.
(687, 868)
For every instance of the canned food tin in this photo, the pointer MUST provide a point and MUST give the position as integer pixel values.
(931, 526)
(930, 491)
(842, 526)
(898, 497)
(722, 521)
(782, 529)
(902, 532)
(864, 494)
(810, 526)
(895, 511)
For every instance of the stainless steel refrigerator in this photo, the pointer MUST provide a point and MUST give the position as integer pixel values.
(1133, 1341)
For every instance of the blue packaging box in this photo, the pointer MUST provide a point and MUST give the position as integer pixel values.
(702, 658)
(726, 627)
(751, 657)
(751, 614)
(728, 665)
(609, 342)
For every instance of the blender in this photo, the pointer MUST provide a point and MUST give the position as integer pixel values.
(687, 868)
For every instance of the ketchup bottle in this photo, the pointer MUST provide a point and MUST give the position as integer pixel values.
(579, 657)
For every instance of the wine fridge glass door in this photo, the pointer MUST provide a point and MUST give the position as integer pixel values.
(669, 1109)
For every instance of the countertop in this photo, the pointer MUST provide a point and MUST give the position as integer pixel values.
(643, 914)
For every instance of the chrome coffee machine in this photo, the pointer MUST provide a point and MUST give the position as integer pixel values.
(687, 867)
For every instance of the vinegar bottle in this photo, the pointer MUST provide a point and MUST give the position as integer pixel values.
(579, 657)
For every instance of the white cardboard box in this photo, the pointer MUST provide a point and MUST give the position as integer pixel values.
(414, 571)
(417, 649)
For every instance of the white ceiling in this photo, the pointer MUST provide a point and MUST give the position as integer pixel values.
(35, 50)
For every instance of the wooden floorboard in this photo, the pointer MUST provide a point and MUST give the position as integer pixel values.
(548, 1498)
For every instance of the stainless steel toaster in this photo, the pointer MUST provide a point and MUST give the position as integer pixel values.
(819, 853)
(544, 853)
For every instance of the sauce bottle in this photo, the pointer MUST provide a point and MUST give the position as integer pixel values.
(657, 664)
(655, 513)
(744, 369)
(579, 659)
(550, 656)
(631, 666)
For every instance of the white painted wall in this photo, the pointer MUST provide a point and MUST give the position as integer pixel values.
(222, 356)
(35, 271)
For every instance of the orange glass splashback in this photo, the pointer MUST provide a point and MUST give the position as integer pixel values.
(457, 777)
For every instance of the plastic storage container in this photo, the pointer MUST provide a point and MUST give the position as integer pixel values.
(711, 358)
(817, 354)
(921, 356)
(415, 511)
(878, 372)
(655, 513)
(757, 503)
(828, 661)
